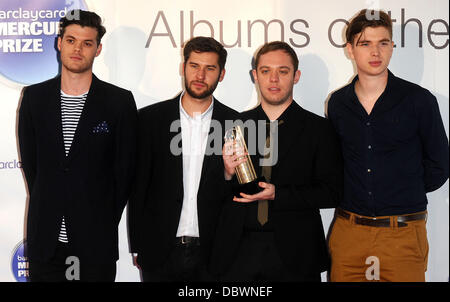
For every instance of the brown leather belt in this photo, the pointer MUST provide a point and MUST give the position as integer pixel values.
(382, 222)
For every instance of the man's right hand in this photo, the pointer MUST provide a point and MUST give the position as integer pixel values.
(232, 157)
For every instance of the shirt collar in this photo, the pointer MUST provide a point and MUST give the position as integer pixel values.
(352, 98)
(207, 112)
(281, 119)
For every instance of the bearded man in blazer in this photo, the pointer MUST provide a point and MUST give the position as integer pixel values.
(284, 239)
(180, 184)
(77, 146)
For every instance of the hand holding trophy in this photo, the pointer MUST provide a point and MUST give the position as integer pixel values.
(244, 170)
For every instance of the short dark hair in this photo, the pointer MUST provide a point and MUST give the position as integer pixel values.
(205, 44)
(82, 18)
(277, 45)
(362, 20)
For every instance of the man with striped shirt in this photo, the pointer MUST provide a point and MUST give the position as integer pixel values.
(71, 108)
(77, 145)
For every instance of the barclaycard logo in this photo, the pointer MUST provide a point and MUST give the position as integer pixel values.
(28, 31)
(19, 263)
(13, 164)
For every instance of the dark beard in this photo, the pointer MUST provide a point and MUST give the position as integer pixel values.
(203, 95)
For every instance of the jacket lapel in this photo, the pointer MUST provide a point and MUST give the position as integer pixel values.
(290, 125)
(217, 115)
(173, 114)
(54, 113)
(82, 130)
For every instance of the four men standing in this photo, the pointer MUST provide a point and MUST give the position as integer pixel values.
(78, 138)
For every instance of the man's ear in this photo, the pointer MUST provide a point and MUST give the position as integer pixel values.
(99, 50)
(297, 75)
(222, 75)
(255, 75)
(349, 47)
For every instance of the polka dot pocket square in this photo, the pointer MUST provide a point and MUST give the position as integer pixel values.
(101, 128)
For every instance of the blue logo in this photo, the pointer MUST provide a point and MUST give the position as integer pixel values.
(19, 263)
(28, 31)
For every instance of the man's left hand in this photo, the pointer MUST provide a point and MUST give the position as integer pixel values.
(267, 194)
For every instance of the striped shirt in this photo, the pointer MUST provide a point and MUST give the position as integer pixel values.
(71, 109)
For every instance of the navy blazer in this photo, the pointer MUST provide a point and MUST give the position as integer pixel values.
(91, 185)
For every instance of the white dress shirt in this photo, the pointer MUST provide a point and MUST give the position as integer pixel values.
(194, 136)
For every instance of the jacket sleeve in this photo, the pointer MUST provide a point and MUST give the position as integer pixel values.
(125, 153)
(27, 141)
(434, 143)
(141, 183)
(326, 187)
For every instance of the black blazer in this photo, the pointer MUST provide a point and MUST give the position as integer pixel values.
(308, 177)
(157, 198)
(90, 186)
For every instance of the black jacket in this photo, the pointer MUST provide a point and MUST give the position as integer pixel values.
(157, 198)
(307, 177)
(90, 186)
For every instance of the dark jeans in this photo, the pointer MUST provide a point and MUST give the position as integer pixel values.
(56, 270)
(184, 263)
(258, 260)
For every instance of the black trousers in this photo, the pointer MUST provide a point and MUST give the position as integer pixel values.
(56, 270)
(258, 260)
(185, 263)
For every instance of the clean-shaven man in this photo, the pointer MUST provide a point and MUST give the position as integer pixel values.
(277, 234)
(77, 145)
(395, 151)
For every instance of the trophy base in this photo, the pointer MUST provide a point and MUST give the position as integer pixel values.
(248, 188)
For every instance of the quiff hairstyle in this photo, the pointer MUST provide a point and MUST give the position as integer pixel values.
(84, 19)
(367, 18)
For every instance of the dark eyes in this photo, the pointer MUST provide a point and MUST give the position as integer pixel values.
(71, 41)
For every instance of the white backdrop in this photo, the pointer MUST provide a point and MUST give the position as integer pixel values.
(152, 73)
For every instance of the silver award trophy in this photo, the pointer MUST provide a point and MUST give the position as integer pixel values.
(245, 172)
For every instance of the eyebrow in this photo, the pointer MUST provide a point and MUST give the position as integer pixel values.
(280, 67)
(72, 37)
(195, 63)
(366, 41)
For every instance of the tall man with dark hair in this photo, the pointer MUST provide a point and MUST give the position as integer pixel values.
(395, 151)
(77, 146)
(277, 234)
(180, 185)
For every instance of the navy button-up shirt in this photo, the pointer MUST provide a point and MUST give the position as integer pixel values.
(394, 155)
